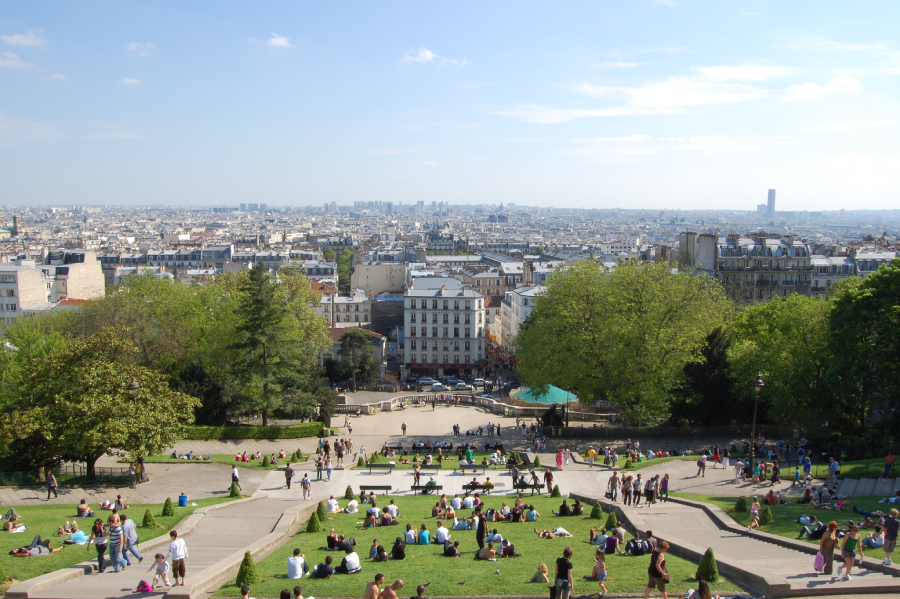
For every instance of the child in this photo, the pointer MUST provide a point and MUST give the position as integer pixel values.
(541, 574)
(601, 571)
(796, 476)
(162, 569)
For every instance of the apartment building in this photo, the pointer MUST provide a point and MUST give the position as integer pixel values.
(754, 269)
(444, 331)
(345, 312)
(828, 270)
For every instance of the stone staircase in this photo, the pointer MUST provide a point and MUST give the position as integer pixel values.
(868, 487)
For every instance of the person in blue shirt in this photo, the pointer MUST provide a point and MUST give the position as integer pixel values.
(424, 535)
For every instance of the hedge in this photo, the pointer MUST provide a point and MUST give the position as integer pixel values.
(211, 433)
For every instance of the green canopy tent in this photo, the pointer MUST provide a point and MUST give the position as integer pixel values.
(554, 395)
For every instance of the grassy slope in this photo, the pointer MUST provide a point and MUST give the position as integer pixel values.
(426, 564)
(785, 523)
(451, 464)
(227, 459)
(46, 519)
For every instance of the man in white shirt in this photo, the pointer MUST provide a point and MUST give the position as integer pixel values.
(332, 505)
(375, 511)
(352, 507)
(441, 534)
(468, 502)
(297, 565)
(392, 509)
(494, 537)
(350, 563)
(456, 502)
(178, 553)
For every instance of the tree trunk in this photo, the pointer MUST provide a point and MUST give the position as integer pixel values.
(91, 462)
(265, 417)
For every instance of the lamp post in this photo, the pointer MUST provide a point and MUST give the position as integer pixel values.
(758, 384)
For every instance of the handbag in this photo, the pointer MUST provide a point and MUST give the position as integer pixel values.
(819, 563)
(608, 495)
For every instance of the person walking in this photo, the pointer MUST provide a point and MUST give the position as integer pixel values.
(548, 480)
(754, 514)
(827, 545)
(235, 477)
(320, 465)
(888, 464)
(98, 536)
(565, 583)
(403, 427)
(833, 468)
(849, 548)
(627, 486)
(613, 486)
(328, 468)
(664, 488)
(288, 475)
(701, 465)
(116, 542)
(51, 486)
(568, 455)
(559, 460)
(179, 554)
(306, 486)
(637, 490)
(657, 575)
(131, 539)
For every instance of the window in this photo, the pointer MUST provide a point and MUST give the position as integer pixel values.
(467, 332)
(434, 346)
(446, 345)
(446, 318)
(7, 278)
(468, 305)
(434, 331)
(467, 346)
(412, 331)
(11, 307)
(412, 344)
(434, 304)
(412, 304)
(412, 317)
(456, 359)
(445, 359)
(456, 331)
(434, 358)
(456, 318)
(434, 318)
(412, 358)
(356, 317)
(456, 346)
(468, 358)
(456, 304)
(468, 319)
(10, 293)
(445, 332)
(446, 304)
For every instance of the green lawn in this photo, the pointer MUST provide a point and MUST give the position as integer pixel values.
(451, 464)
(426, 564)
(873, 467)
(655, 462)
(46, 519)
(222, 459)
(785, 522)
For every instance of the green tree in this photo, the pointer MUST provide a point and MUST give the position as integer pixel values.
(706, 388)
(865, 343)
(344, 262)
(785, 340)
(247, 573)
(88, 400)
(168, 507)
(328, 254)
(624, 335)
(356, 349)
(708, 569)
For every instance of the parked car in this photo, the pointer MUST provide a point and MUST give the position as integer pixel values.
(425, 381)
(478, 383)
(512, 385)
(452, 380)
(439, 387)
(462, 387)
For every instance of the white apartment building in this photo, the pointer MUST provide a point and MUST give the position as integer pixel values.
(515, 308)
(828, 270)
(342, 312)
(444, 332)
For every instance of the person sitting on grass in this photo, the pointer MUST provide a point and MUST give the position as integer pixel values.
(84, 510)
(531, 514)
(13, 524)
(451, 550)
(597, 539)
(441, 534)
(373, 550)
(541, 574)
(508, 549)
(494, 536)
(331, 506)
(387, 519)
(875, 540)
(809, 524)
(350, 564)
(411, 535)
(577, 509)
(324, 570)
(875, 514)
(398, 551)
(381, 555)
(436, 511)
(487, 553)
(563, 509)
(460, 524)
(424, 535)
(371, 521)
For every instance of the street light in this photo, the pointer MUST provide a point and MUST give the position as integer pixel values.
(758, 384)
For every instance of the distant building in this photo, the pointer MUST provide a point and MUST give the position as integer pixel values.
(770, 205)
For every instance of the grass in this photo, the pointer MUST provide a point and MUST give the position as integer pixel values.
(227, 459)
(426, 563)
(655, 462)
(785, 522)
(46, 519)
(451, 464)
(873, 467)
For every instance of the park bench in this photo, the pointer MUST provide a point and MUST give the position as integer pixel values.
(426, 489)
(388, 467)
(534, 487)
(433, 466)
(385, 488)
(473, 468)
(481, 488)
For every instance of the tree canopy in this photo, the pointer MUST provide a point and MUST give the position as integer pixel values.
(624, 335)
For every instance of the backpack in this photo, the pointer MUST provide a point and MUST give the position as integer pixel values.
(144, 587)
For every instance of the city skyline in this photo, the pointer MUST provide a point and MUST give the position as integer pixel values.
(662, 105)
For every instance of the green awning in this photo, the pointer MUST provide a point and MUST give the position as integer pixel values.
(554, 395)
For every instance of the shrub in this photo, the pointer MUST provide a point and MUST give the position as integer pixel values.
(627, 465)
(596, 512)
(266, 463)
(708, 570)
(766, 516)
(374, 458)
(348, 494)
(210, 433)
(149, 520)
(235, 490)
(168, 508)
(248, 573)
(611, 521)
(322, 511)
(313, 524)
(555, 492)
(298, 456)
(733, 448)
(360, 463)
(741, 504)
(537, 462)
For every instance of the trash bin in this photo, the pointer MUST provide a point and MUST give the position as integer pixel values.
(182, 501)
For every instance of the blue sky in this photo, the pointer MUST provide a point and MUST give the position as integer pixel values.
(671, 104)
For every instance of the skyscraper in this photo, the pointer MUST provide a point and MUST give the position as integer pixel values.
(770, 212)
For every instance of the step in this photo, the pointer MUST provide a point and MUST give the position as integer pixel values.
(848, 487)
(884, 487)
(866, 487)
(896, 485)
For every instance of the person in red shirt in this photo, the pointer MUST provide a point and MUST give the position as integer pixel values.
(888, 465)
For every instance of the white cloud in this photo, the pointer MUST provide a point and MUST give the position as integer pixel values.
(814, 91)
(278, 41)
(429, 163)
(11, 60)
(424, 55)
(676, 93)
(56, 77)
(130, 81)
(33, 38)
(629, 148)
(850, 125)
(747, 72)
(139, 49)
(615, 65)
